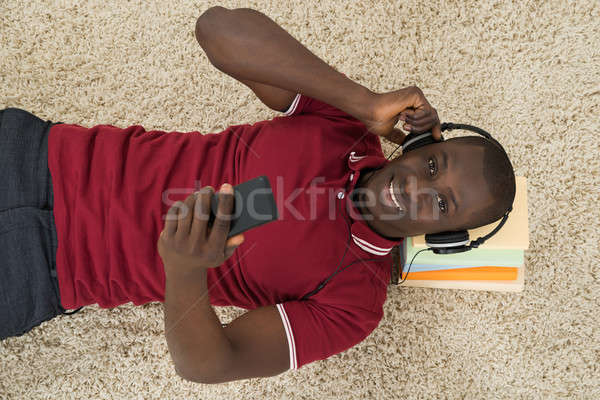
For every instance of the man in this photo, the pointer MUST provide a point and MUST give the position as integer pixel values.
(342, 208)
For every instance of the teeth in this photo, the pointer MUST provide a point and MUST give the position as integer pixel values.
(394, 196)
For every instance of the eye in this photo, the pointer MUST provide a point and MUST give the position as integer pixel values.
(442, 205)
(432, 165)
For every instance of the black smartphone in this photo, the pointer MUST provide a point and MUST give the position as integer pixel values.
(253, 205)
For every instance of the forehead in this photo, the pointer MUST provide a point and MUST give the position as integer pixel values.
(465, 175)
(463, 155)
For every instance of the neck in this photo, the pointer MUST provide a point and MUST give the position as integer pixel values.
(359, 197)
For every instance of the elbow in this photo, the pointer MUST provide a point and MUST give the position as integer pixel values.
(196, 376)
(204, 379)
(212, 12)
(190, 376)
(211, 35)
(185, 375)
(208, 21)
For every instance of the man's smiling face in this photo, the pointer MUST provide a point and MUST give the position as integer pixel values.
(435, 188)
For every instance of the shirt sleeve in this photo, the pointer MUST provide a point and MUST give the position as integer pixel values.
(307, 105)
(317, 331)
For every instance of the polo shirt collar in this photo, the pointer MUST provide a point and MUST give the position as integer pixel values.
(362, 234)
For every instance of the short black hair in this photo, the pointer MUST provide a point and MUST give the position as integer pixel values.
(499, 175)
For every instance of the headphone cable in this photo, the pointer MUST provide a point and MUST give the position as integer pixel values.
(409, 265)
(322, 284)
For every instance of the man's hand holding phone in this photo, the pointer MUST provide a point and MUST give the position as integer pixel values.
(187, 243)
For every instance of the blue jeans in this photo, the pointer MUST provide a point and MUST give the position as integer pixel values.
(29, 293)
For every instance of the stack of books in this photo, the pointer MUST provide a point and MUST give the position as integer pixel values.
(497, 265)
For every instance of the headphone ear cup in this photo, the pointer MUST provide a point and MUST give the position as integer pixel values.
(415, 140)
(447, 239)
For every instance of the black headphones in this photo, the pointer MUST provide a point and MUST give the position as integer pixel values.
(451, 242)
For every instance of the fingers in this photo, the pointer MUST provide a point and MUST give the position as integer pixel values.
(422, 125)
(232, 243)
(420, 117)
(202, 212)
(420, 121)
(220, 227)
(235, 241)
(186, 215)
(437, 132)
(171, 219)
(415, 115)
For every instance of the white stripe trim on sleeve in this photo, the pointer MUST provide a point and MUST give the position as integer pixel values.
(372, 245)
(363, 244)
(290, 336)
(293, 106)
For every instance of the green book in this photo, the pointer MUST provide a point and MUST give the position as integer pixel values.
(479, 257)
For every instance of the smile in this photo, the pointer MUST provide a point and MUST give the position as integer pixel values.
(391, 196)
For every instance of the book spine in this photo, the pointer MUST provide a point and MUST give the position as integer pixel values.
(475, 273)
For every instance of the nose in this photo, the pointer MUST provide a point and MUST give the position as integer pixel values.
(417, 193)
(409, 187)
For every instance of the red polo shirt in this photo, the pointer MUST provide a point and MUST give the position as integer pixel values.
(112, 186)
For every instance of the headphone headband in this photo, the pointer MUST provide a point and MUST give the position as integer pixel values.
(480, 240)
(448, 126)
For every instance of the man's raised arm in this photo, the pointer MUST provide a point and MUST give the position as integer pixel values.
(246, 44)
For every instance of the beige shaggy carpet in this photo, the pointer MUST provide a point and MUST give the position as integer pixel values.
(528, 72)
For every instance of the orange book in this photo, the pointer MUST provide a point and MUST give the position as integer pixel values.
(467, 274)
